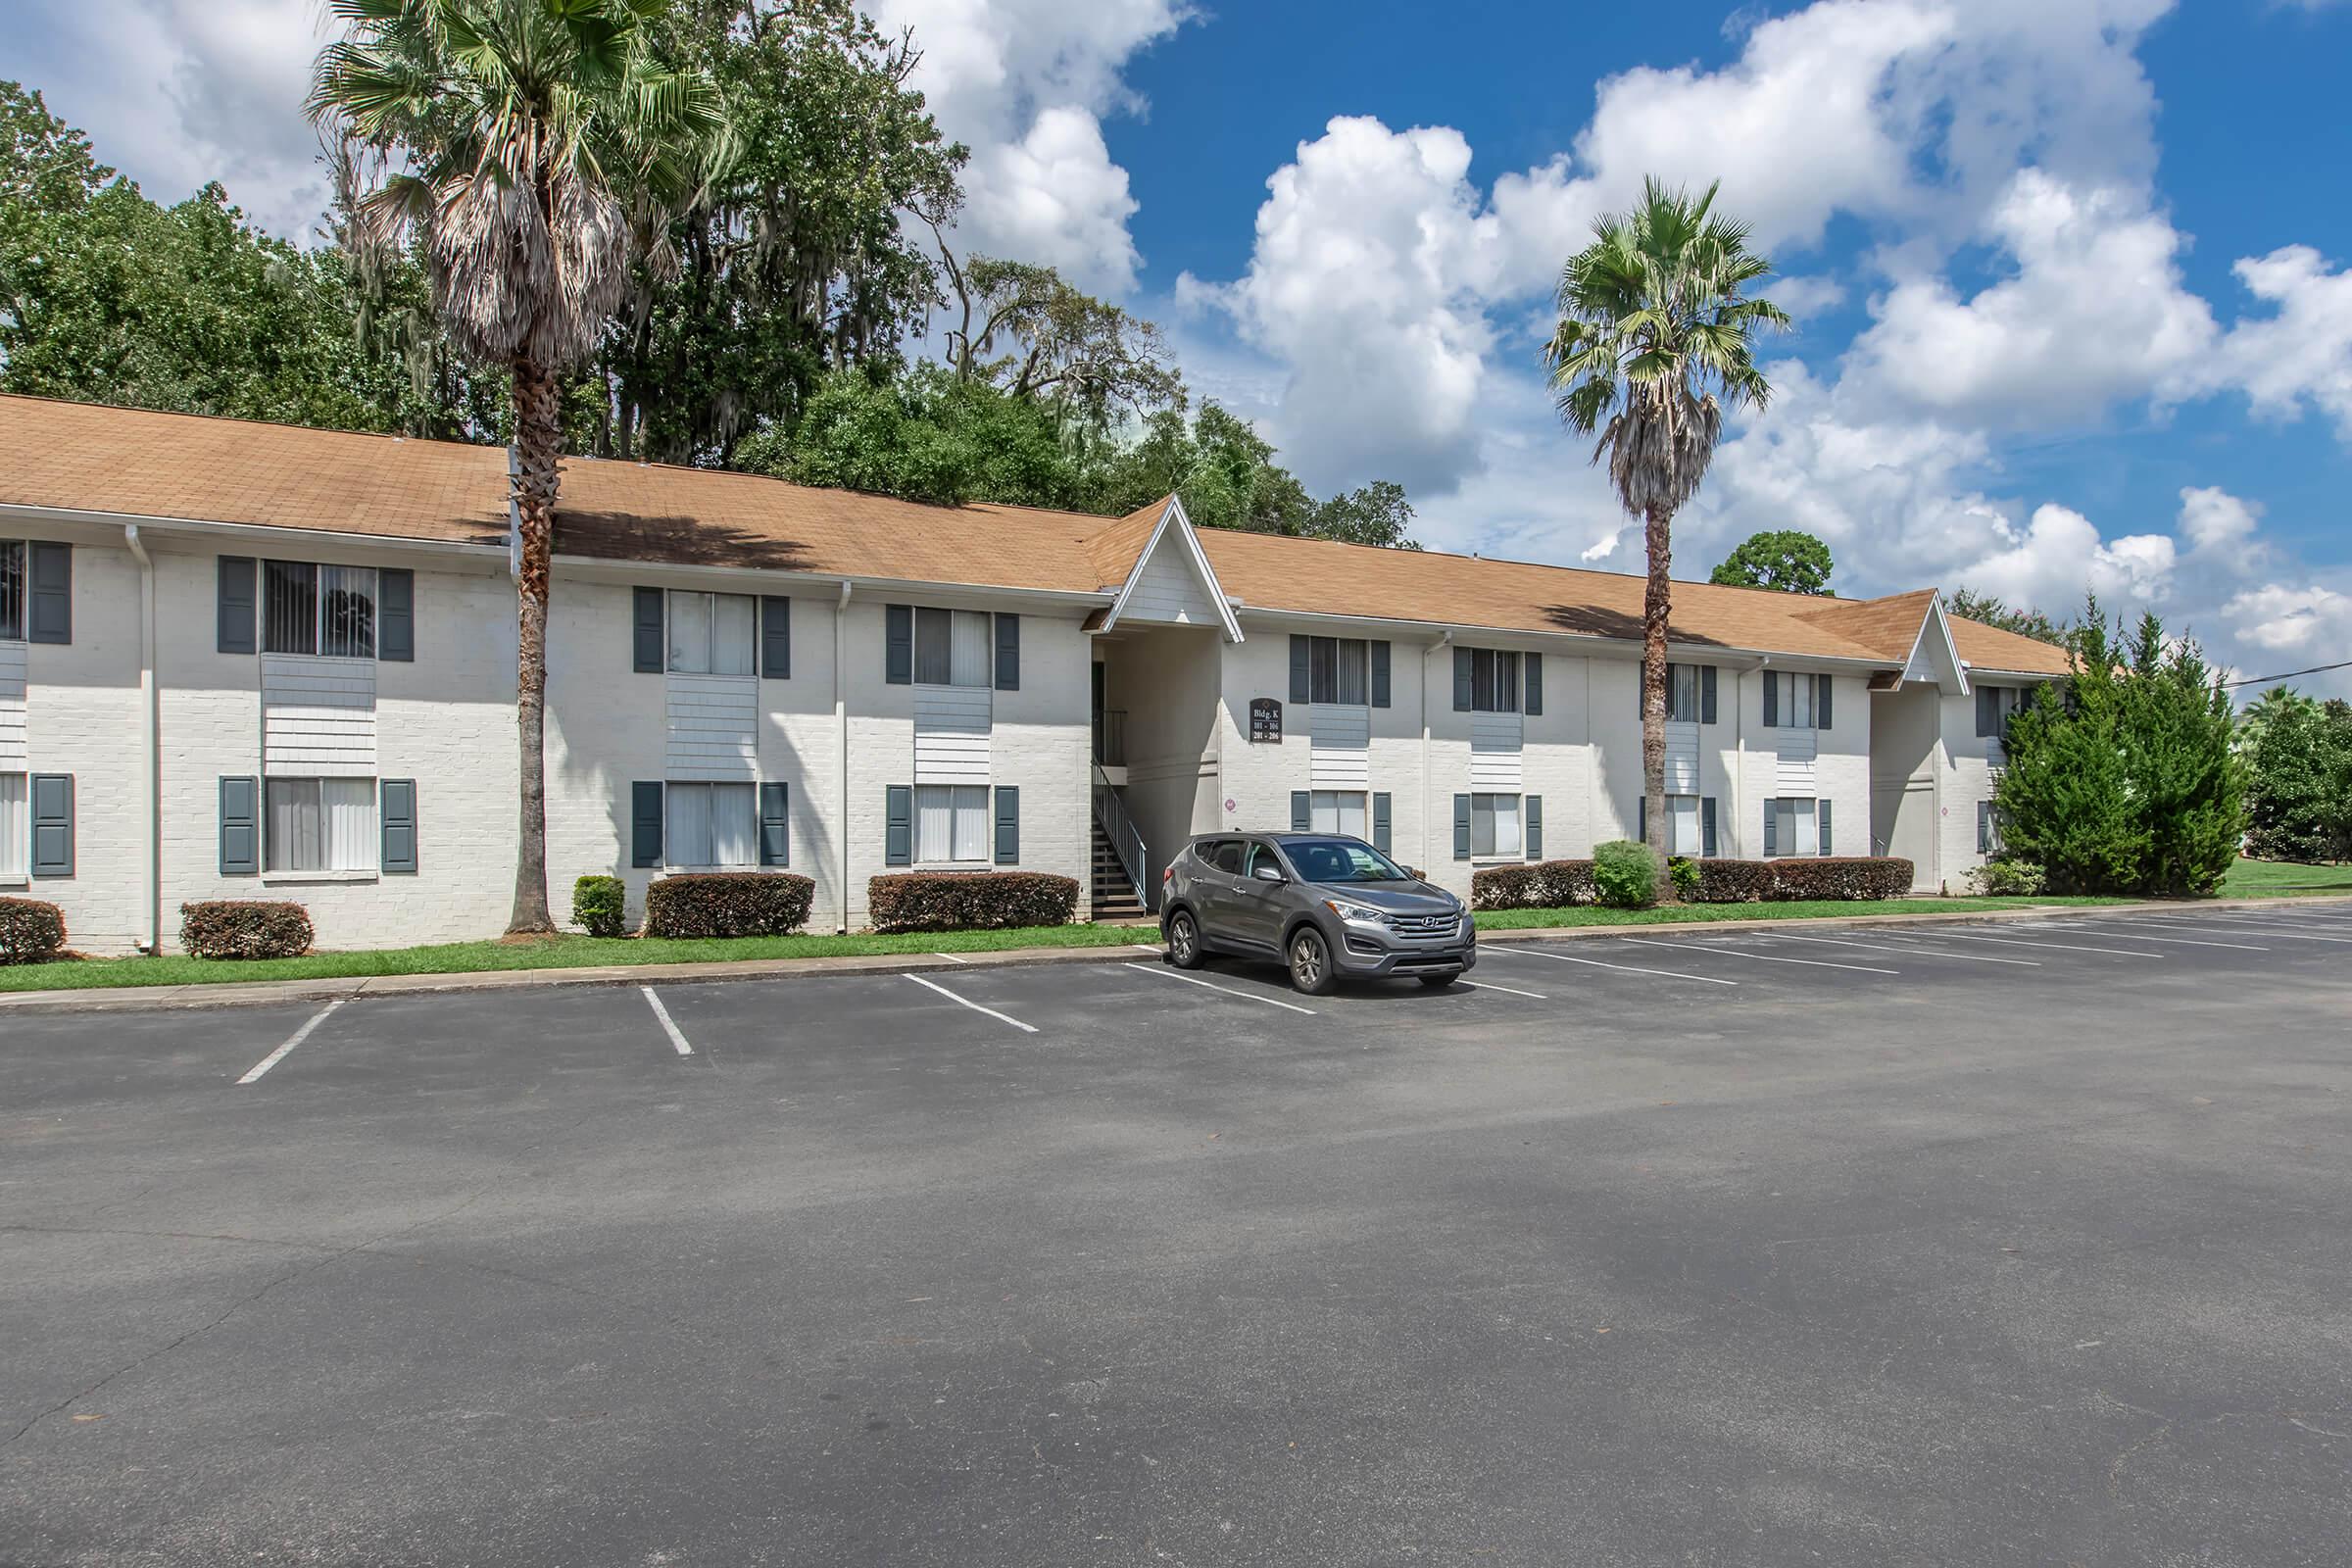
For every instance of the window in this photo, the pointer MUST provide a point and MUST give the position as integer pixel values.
(11, 589)
(1337, 811)
(1682, 694)
(321, 824)
(1494, 824)
(1794, 829)
(951, 647)
(1336, 860)
(711, 635)
(1685, 835)
(1989, 829)
(1794, 694)
(16, 827)
(950, 824)
(1338, 671)
(1224, 854)
(309, 609)
(1257, 852)
(1493, 681)
(711, 824)
(1995, 705)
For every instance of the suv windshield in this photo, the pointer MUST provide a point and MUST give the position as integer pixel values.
(1341, 861)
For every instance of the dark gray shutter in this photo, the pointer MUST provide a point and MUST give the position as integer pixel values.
(1706, 827)
(396, 807)
(1641, 817)
(775, 825)
(1009, 652)
(241, 826)
(396, 616)
(1530, 683)
(1461, 827)
(1821, 810)
(1462, 680)
(897, 660)
(52, 824)
(1380, 674)
(1301, 690)
(1009, 825)
(1534, 816)
(1302, 811)
(775, 639)
(1771, 830)
(649, 645)
(1772, 700)
(645, 822)
(1381, 814)
(898, 826)
(1706, 694)
(49, 599)
(233, 612)
(1989, 711)
(1821, 701)
(1984, 827)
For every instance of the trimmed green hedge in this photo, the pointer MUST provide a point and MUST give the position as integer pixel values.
(727, 903)
(30, 930)
(968, 901)
(1561, 884)
(245, 928)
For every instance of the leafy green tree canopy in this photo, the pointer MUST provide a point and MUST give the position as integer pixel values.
(1991, 610)
(1785, 560)
(2298, 753)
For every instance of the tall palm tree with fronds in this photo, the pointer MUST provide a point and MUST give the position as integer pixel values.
(530, 148)
(1656, 337)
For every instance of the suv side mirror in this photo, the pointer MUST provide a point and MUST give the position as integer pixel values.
(1268, 873)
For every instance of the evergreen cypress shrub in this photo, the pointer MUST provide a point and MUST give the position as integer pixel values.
(1625, 874)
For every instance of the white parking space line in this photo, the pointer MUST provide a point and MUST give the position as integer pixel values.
(2243, 929)
(1595, 964)
(295, 1039)
(1489, 984)
(1144, 947)
(2091, 928)
(1000, 1017)
(670, 1025)
(1881, 947)
(1761, 957)
(1194, 979)
(950, 957)
(2063, 947)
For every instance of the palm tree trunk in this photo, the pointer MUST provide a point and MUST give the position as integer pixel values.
(1656, 602)
(537, 441)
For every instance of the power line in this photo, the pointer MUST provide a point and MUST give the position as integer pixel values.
(2264, 680)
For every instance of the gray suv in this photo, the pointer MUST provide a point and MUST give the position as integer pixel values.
(1324, 905)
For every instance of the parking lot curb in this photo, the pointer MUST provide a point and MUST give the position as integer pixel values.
(280, 993)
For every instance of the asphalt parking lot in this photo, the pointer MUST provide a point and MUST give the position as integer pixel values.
(1971, 1245)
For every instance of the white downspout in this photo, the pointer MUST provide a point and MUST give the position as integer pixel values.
(841, 726)
(1443, 643)
(151, 851)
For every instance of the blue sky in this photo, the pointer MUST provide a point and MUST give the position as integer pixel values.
(2073, 273)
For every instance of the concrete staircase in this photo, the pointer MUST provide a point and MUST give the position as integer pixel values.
(1115, 894)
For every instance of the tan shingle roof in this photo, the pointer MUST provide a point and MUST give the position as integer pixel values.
(133, 462)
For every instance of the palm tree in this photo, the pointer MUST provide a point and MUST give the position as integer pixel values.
(1655, 337)
(528, 147)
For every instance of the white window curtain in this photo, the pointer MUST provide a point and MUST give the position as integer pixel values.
(712, 826)
(1683, 813)
(1793, 831)
(322, 824)
(1797, 700)
(1495, 824)
(968, 663)
(16, 827)
(1681, 693)
(734, 628)
(690, 633)
(950, 824)
(1337, 811)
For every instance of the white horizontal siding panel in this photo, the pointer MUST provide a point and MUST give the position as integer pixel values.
(317, 716)
(12, 705)
(1681, 758)
(951, 725)
(1169, 590)
(1339, 738)
(1798, 774)
(1338, 768)
(1498, 753)
(713, 728)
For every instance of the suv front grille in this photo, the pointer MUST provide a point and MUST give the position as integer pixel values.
(1424, 925)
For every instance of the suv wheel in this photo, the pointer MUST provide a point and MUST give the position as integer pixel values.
(1184, 940)
(1311, 961)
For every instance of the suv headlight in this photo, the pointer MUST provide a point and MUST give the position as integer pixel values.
(1355, 913)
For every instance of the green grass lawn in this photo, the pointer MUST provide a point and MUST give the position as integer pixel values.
(2264, 879)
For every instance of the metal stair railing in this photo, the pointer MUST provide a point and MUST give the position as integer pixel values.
(1125, 842)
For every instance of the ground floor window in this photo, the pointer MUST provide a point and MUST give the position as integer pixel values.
(1796, 826)
(1339, 812)
(711, 825)
(16, 827)
(322, 824)
(1493, 825)
(950, 824)
(1686, 834)
(1989, 829)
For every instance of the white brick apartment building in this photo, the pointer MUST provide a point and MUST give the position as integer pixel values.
(247, 661)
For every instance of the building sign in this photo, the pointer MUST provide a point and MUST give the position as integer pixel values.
(1265, 721)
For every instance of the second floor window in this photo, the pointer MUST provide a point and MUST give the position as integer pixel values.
(951, 647)
(1682, 694)
(712, 634)
(1493, 681)
(308, 608)
(1338, 671)
(11, 589)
